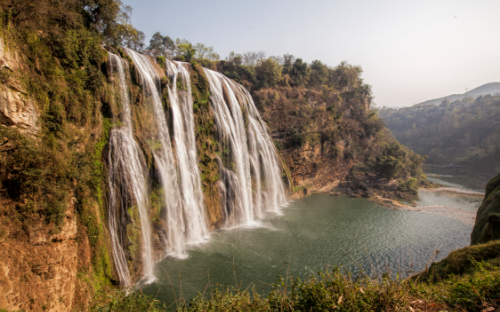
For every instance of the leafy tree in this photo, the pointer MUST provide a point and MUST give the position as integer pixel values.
(300, 72)
(161, 46)
(319, 74)
(186, 52)
(204, 52)
(268, 73)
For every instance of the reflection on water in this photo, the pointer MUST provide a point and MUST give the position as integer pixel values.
(312, 232)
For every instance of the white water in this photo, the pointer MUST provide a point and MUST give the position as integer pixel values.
(181, 102)
(127, 173)
(164, 158)
(252, 152)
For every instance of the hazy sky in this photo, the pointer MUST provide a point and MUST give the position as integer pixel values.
(410, 51)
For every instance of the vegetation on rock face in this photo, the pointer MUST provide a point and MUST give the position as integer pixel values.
(62, 67)
(487, 226)
(465, 132)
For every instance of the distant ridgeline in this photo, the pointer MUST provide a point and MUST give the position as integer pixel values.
(492, 88)
(112, 159)
(463, 132)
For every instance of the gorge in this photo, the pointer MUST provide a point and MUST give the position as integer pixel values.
(119, 163)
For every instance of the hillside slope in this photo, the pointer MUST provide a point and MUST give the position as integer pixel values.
(464, 132)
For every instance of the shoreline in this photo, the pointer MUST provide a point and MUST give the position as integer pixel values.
(466, 217)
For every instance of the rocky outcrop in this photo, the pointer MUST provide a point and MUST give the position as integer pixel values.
(313, 170)
(487, 227)
(16, 107)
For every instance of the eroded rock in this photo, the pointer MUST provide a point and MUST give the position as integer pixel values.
(17, 109)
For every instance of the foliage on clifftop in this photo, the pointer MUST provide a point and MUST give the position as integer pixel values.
(463, 132)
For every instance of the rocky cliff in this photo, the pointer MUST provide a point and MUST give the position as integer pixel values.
(332, 141)
(487, 227)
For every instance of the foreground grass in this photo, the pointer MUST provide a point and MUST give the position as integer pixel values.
(467, 280)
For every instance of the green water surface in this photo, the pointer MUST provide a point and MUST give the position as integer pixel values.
(310, 234)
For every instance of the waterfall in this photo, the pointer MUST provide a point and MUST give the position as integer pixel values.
(181, 102)
(250, 173)
(127, 173)
(184, 212)
(252, 152)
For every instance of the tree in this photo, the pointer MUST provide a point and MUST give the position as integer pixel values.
(300, 72)
(234, 58)
(268, 73)
(186, 52)
(319, 74)
(161, 46)
(288, 60)
(249, 58)
(204, 52)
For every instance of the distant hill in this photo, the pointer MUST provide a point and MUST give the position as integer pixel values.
(489, 88)
(464, 132)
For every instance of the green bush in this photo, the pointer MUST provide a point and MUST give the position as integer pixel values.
(409, 186)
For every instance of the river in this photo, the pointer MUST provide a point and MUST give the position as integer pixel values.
(317, 232)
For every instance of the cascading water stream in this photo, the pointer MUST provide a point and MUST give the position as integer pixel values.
(230, 123)
(265, 151)
(181, 102)
(127, 173)
(231, 104)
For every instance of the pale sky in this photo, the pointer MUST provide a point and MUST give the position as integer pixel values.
(410, 51)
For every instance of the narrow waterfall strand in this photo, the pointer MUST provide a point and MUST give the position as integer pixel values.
(229, 120)
(127, 172)
(181, 102)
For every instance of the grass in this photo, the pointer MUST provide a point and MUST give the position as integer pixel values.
(467, 280)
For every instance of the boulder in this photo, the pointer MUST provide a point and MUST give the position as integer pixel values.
(487, 225)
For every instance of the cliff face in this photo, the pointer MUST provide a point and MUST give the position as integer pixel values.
(331, 141)
(38, 267)
(16, 107)
(53, 239)
(487, 227)
(38, 271)
(312, 170)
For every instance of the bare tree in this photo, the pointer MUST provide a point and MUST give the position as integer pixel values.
(249, 58)
(278, 59)
(261, 56)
